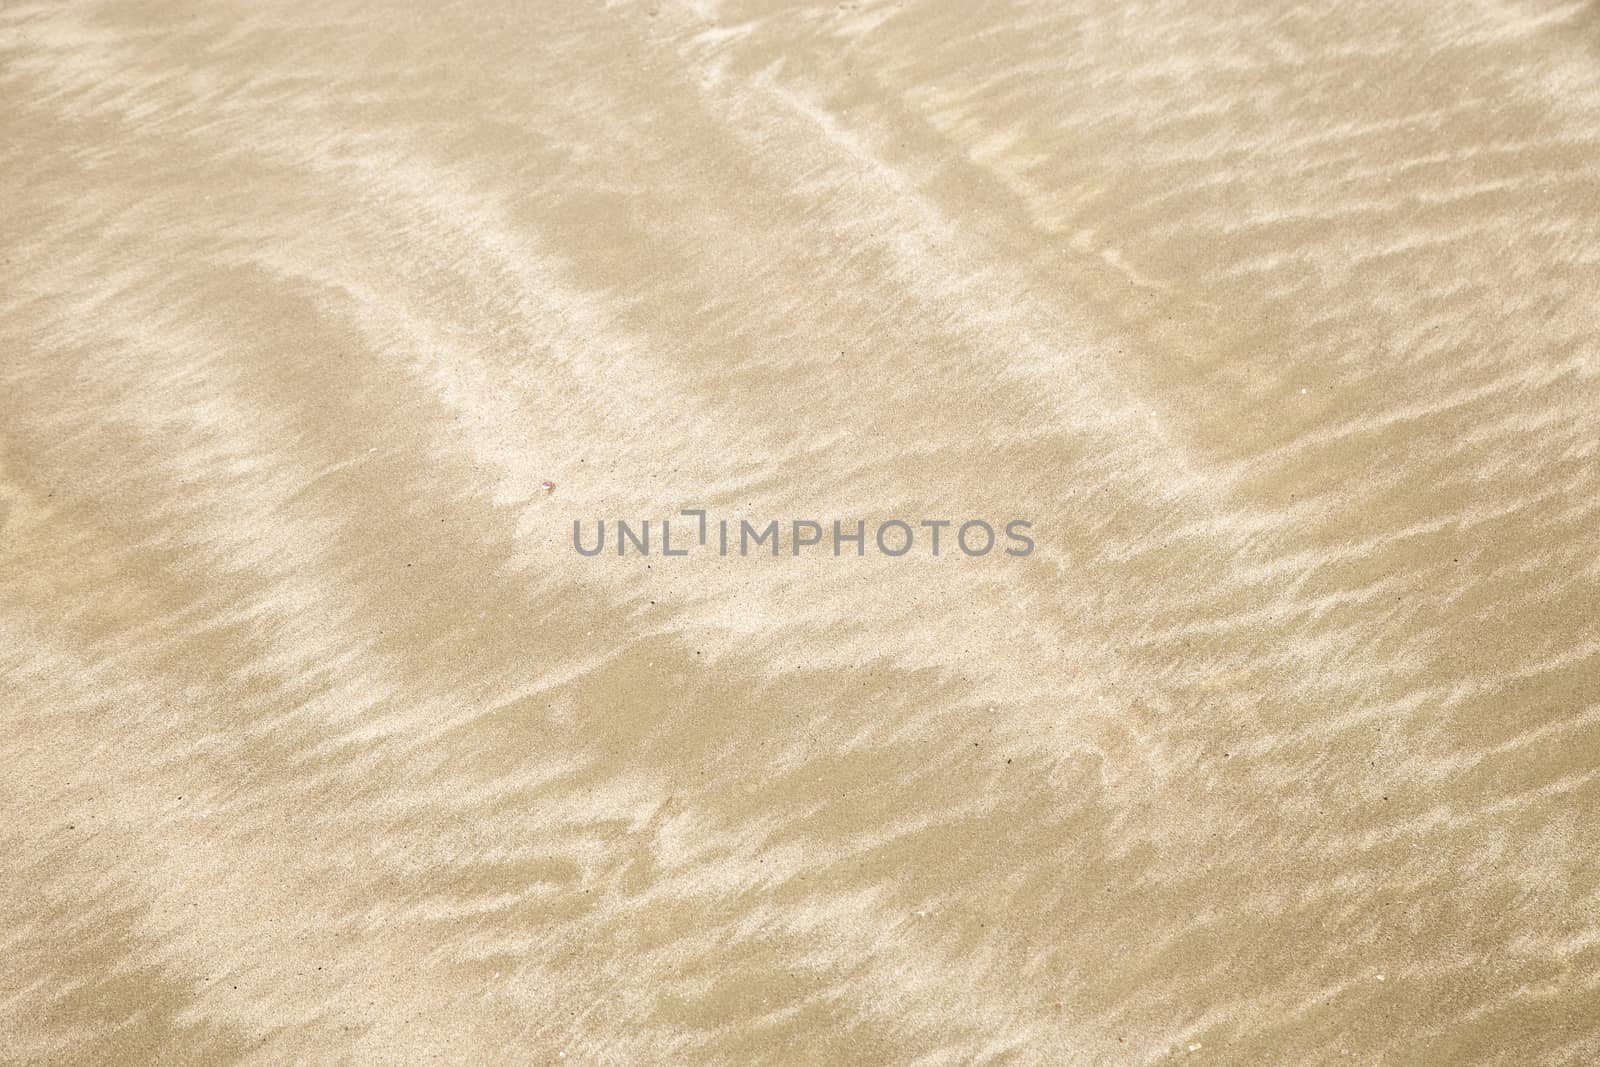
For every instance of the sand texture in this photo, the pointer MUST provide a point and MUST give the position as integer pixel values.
(322, 744)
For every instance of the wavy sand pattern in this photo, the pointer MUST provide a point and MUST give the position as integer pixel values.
(323, 745)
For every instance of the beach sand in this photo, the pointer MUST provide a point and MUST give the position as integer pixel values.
(324, 745)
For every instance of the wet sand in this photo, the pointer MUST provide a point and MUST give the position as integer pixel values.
(324, 745)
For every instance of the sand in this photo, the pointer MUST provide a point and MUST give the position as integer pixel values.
(324, 745)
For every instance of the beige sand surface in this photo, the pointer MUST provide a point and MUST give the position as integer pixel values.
(322, 745)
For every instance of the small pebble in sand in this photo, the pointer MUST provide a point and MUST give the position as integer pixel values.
(548, 487)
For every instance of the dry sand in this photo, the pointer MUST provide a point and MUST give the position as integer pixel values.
(323, 745)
